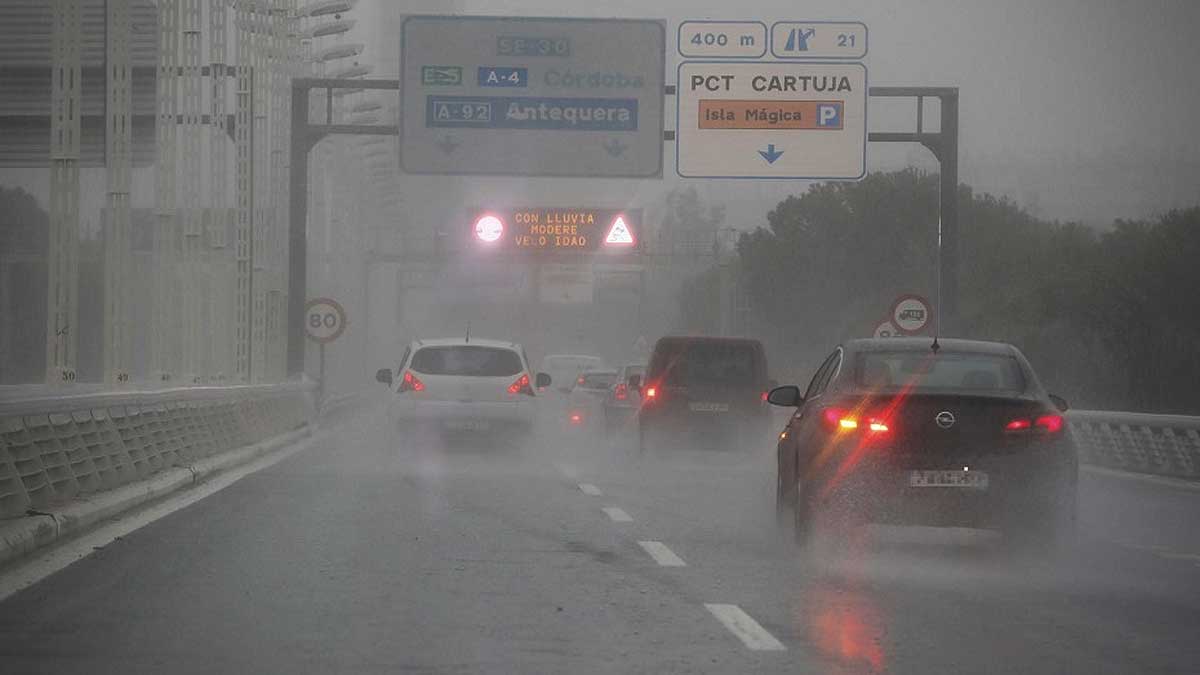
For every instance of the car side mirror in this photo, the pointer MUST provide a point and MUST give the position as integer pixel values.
(542, 380)
(384, 375)
(787, 396)
(1059, 402)
(634, 382)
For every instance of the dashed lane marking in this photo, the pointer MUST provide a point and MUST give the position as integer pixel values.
(661, 554)
(590, 490)
(617, 515)
(742, 625)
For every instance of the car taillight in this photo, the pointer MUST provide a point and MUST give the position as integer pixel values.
(840, 419)
(621, 392)
(579, 380)
(1050, 424)
(576, 418)
(651, 394)
(411, 382)
(521, 386)
(763, 397)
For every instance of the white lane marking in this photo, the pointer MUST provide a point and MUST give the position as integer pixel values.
(661, 554)
(1165, 481)
(590, 490)
(745, 628)
(42, 564)
(617, 515)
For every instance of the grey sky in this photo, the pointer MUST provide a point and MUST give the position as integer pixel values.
(1081, 109)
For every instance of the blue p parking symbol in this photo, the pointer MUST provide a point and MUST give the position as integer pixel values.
(829, 115)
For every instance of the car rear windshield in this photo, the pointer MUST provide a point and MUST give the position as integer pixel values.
(709, 363)
(598, 380)
(465, 360)
(570, 362)
(984, 373)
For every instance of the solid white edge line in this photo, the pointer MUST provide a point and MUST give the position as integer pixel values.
(590, 490)
(617, 514)
(1180, 483)
(661, 554)
(742, 625)
(44, 563)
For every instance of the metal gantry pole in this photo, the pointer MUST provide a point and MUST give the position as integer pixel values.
(63, 259)
(164, 343)
(244, 188)
(191, 288)
(117, 345)
(944, 145)
(220, 304)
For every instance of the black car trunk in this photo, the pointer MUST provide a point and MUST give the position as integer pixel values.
(952, 427)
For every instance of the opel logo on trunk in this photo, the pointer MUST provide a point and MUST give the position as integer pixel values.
(944, 419)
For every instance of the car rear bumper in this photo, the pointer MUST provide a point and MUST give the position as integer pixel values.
(483, 415)
(1025, 483)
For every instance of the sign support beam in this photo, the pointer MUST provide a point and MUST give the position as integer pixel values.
(305, 136)
(944, 146)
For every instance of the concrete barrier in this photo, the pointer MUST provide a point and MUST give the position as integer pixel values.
(68, 462)
(1164, 445)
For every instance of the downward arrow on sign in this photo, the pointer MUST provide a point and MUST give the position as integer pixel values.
(770, 154)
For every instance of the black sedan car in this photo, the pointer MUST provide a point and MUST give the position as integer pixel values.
(912, 431)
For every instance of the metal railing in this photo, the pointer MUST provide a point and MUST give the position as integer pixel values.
(1165, 445)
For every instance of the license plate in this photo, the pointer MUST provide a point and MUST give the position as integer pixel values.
(977, 480)
(704, 406)
(467, 425)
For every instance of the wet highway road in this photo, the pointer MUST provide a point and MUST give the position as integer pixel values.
(372, 554)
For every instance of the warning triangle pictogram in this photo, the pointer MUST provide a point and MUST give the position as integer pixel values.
(619, 233)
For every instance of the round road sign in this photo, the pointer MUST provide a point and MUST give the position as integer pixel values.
(324, 319)
(886, 330)
(911, 314)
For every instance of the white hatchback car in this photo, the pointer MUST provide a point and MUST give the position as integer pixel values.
(459, 384)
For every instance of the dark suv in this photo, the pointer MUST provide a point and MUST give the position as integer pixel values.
(703, 391)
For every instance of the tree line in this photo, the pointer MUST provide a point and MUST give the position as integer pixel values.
(1109, 317)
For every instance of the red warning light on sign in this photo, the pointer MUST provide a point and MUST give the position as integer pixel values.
(489, 228)
(619, 233)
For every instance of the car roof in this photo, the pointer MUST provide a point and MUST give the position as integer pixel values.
(919, 344)
(576, 357)
(598, 372)
(463, 342)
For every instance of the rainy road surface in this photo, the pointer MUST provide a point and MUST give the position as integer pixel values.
(360, 554)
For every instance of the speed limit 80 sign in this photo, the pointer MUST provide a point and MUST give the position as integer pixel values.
(324, 320)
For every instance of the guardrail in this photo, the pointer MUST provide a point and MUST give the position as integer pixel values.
(57, 448)
(1166, 445)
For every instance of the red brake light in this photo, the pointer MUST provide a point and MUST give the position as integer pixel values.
(840, 419)
(411, 383)
(579, 380)
(1049, 423)
(651, 393)
(763, 397)
(621, 392)
(1019, 424)
(521, 386)
(576, 418)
